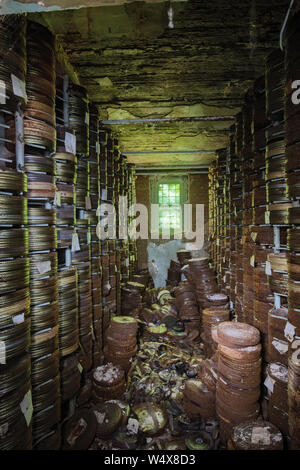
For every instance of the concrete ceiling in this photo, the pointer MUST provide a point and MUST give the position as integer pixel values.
(136, 66)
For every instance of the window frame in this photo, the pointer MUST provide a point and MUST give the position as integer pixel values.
(184, 196)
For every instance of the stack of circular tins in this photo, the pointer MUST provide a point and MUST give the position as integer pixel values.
(239, 369)
(174, 273)
(108, 382)
(91, 206)
(39, 120)
(79, 117)
(292, 111)
(120, 341)
(277, 342)
(13, 59)
(44, 320)
(277, 199)
(263, 296)
(210, 317)
(186, 303)
(276, 383)
(15, 379)
(202, 278)
(132, 297)
(292, 56)
(12, 81)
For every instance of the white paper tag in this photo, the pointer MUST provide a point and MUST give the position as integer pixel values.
(289, 331)
(116, 269)
(97, 147)
(269, 383)
(254, 236)
(70, 143)
(86, 119)
(19, 87)
(2, 353)
(2, 92)
(260, 436)
(281, 346)
(224, 278)
(80, 368)
(43, 266)
(104, 194)
(88, 204)
(252, 261)
(57, 199)
(218, 242)
(127, 262)
(3, 429)
(17, 319)
(75, 242)
(267, 217)
(26, 407)
(268, 269)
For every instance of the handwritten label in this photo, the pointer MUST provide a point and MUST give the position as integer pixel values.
(26, 407)
(57, 199)
(75, 242)
(267, 217)
(70, 143)
(17, 319)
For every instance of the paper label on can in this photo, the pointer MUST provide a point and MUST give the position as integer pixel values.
(2, 353)
(19, 87)
(104, 194)
(281, 346)
(267, 217)
(3, 429)
(289, 331)
(17, 319)
(269, 383)
(260, 435)
(252, 261)
(26, 407)
(57, 199)
(88, 204)
(70, 143)
(80, 368)
(75, 242)
(2, 92)
(43, 266)
(268, 268)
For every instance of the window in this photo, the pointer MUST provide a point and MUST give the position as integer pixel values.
(169, 206)
(169, 193)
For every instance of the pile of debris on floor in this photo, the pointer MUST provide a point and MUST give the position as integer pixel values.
(159, 386)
